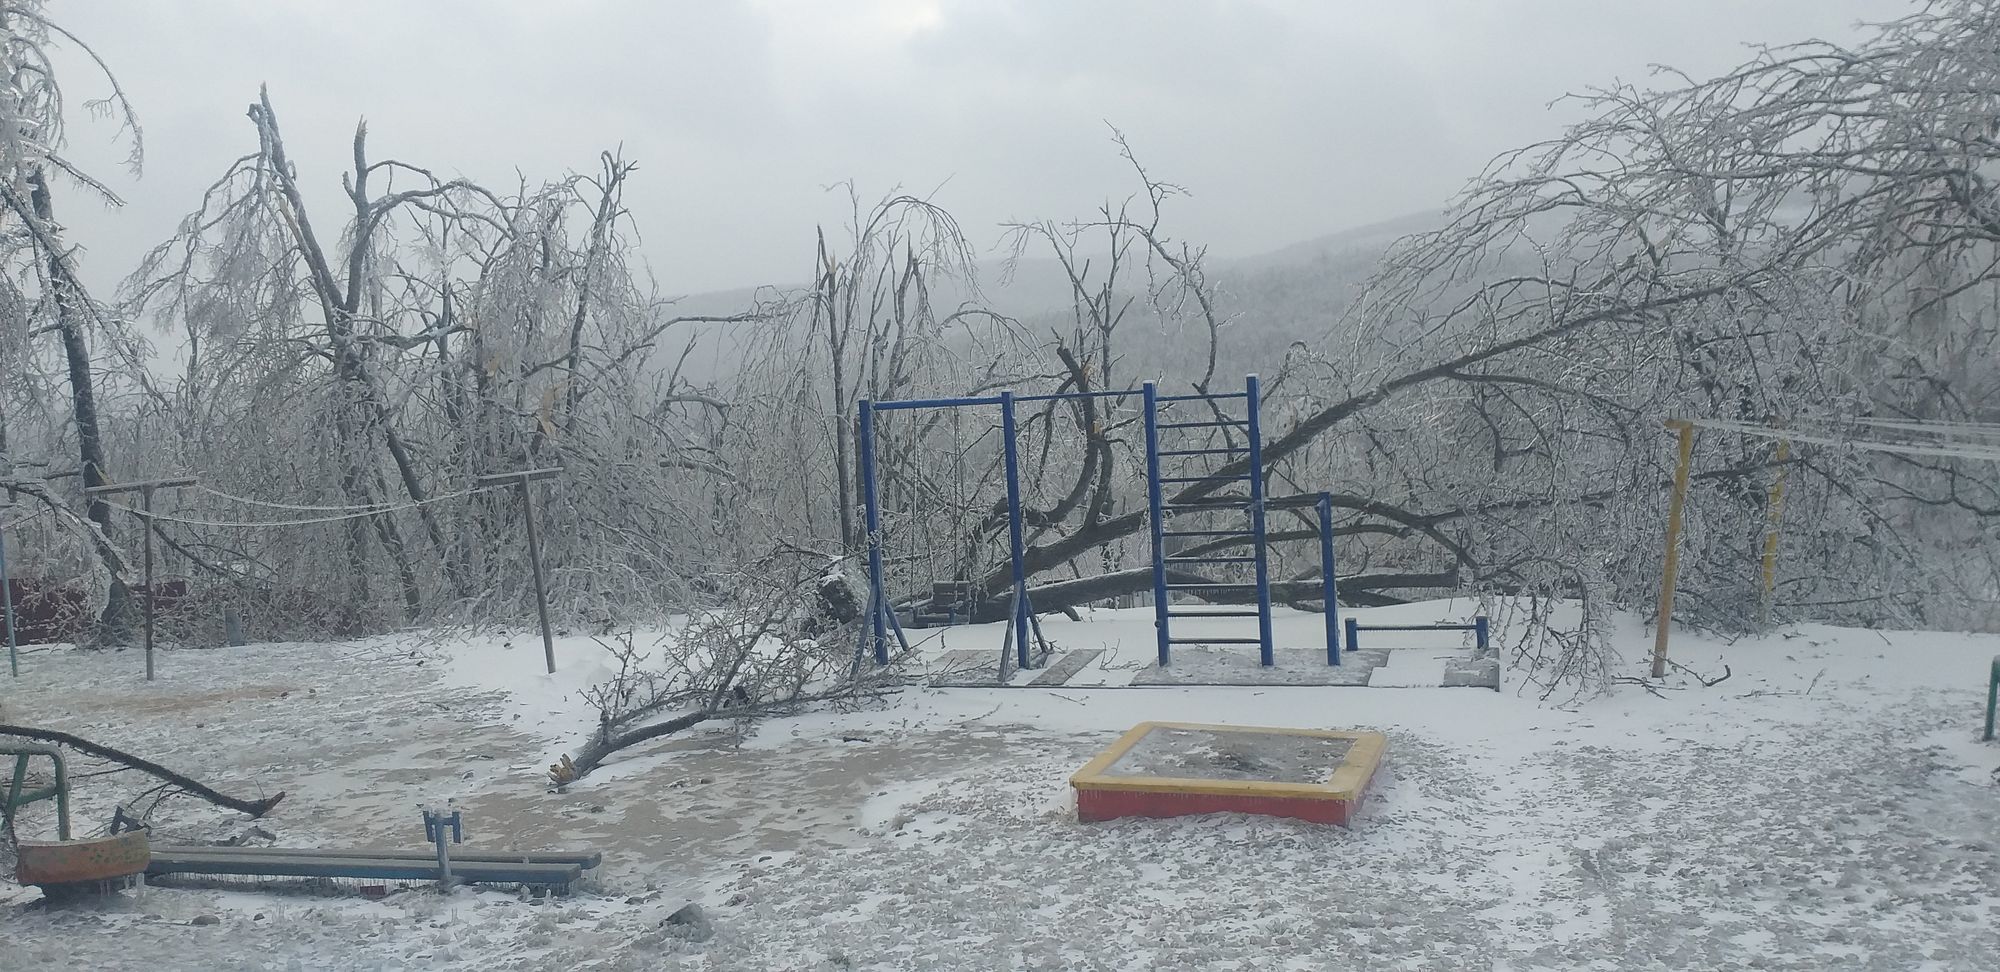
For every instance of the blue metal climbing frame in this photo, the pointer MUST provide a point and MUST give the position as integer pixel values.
(1182, 501)
(1186, 534)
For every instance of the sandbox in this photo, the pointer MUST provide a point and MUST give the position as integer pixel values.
(1171, 769)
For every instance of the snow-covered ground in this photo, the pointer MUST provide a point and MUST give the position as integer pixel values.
(1827, 806)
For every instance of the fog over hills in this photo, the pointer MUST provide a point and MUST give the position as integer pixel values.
(1298, 289)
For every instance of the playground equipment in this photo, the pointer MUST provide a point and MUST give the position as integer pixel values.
(63, 866)
(1479, 628)
(18, 796)
(556, 872)
(1166, 516)
(1172, 769)
(102, 864)
(435, 822)
(1191, 519)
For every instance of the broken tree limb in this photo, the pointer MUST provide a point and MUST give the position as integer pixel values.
(255, 808)
(602, 744)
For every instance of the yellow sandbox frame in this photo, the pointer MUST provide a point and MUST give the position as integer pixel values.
(1346, 782)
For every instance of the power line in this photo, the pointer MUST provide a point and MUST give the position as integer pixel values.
(1955, 451)
(296, 507)
(255, 524)
(1939, 429)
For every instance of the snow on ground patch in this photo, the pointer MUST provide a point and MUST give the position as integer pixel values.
(1826, 807)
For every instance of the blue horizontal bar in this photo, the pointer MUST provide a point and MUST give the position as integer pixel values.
(1416, 627)
(1218, 396)
(936, 403)
(1066, 396)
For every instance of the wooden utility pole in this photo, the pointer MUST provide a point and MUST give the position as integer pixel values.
(1673, 566)
(520, 481)
(145, 512)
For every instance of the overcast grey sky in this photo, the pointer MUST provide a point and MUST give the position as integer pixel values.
(1287, 119)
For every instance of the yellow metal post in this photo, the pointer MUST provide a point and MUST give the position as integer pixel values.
(1777, 505)
(1673, 565)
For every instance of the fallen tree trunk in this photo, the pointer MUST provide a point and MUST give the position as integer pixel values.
(1359, 589)
(255, 808)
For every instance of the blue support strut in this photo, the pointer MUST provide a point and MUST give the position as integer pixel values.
(878, 602)
(1155, 502)
(1263, 565)
(1327, 587)
(1017, 547)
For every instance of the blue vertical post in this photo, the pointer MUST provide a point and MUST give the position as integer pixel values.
(7, 600)
(1155, 501)
(877, 597)
(1327, 587)
(1353, 635)
(1263, 564)
(1479, 632)
(1016, 545)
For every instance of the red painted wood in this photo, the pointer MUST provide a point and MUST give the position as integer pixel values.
(1093, 805)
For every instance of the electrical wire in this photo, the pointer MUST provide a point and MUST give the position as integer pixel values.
(1955, 451)
(295, 507)
(1959, 429)
(254, 524)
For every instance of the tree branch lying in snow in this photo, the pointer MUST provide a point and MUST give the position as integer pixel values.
(751, 655)
(255, 808)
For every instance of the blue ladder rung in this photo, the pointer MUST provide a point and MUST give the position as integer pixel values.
(1223, 424)
(1203, 452)
(1215, 641)
(1213, 396)
(1170, 558)
(1232, 506)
